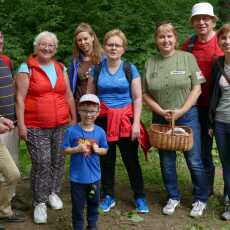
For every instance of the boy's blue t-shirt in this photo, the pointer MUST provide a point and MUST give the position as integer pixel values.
(114, 89)
(84, 169)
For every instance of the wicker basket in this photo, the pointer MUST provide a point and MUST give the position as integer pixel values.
(160, 139)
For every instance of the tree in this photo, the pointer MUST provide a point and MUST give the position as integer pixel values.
(224, 11)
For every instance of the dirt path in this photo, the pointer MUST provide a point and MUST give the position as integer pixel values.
(118, 219)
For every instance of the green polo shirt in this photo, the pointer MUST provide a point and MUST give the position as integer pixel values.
(170, 80)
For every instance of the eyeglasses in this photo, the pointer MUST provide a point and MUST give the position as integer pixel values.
(44, 45)
(89, 112)
(204, 18)
(114, 45)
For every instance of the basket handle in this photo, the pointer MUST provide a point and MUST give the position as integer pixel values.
(173, 123)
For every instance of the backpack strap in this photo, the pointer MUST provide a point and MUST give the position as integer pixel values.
(126, 69)
(191, 43)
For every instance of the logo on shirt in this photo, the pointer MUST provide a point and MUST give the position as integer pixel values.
(199, 75)
(177, 72)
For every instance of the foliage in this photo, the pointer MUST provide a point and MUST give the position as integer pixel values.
(21, 20)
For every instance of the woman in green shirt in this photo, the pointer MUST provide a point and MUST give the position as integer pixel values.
(171, 87)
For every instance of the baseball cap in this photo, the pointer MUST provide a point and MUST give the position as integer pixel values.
(204, 8)
(89, 98)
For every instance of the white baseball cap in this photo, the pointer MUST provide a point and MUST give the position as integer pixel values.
(89, 98)
(204, 8)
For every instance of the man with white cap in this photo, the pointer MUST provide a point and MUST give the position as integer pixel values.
(205, 48)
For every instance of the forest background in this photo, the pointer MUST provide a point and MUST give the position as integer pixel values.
(22, 20)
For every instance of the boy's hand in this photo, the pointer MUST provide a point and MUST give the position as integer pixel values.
(85, 149)
(95, 147)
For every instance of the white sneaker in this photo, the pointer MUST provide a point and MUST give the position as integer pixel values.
(198, 209)
(40, 214)
(170, 207)
(55, 201)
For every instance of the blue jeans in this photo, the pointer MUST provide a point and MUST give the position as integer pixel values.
(192, 157)
(206, 147)
(222, 134)
(79, 196)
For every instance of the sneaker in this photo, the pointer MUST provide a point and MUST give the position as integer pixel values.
(141, 205)
(226, 214)
(14, 218)
(198, 209)
(107, 203)
(40, 214)
(55, 201)
(170, 207)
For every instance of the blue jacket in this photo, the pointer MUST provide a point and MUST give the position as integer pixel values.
(73, 73)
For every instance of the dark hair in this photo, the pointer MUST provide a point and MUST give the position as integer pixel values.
(97, 50)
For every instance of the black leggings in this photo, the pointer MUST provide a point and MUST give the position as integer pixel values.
(129, 154)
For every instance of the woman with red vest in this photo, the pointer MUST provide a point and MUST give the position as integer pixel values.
(44, 107)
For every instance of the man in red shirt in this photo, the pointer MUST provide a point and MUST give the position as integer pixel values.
(203, 45)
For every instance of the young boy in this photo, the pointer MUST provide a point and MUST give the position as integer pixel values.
(85, 141)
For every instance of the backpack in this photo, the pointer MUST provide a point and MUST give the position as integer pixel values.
(191, 43)
(126, 69)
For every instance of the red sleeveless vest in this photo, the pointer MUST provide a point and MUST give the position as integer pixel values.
(45, 107)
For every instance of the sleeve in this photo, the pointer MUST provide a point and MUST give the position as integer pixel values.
(23, 68)
(143, 78)
(66, 140)
(103, 140)
(195, 73)
(134, 71)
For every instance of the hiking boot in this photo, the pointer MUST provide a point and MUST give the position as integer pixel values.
(55, 201)
(107, 203)
(141, 205)
(14, 218)
(170, 207)
(198, 209)
(40, 214)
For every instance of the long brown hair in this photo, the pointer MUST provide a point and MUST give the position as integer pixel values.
(97, 49)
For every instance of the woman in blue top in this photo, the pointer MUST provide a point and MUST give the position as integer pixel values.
(87, 51)
(121, 104)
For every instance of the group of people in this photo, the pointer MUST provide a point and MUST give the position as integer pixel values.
(96, 106)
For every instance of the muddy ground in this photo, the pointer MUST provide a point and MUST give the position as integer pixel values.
(118, 218)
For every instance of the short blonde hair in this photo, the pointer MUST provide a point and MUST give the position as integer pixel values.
(166, 26)
(44, 34)
(116, 32)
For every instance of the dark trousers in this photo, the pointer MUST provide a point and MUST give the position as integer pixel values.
(80, 196)
(222, 135)
(206, 147)
(129, 154)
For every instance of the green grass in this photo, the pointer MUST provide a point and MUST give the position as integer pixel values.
(153, 180)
